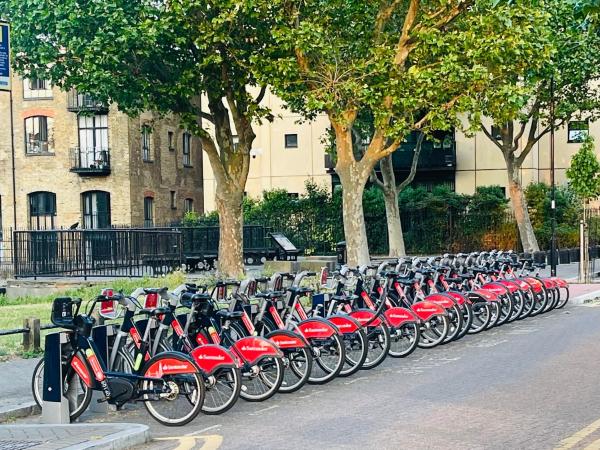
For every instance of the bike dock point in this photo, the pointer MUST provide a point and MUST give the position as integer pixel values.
(55, 407)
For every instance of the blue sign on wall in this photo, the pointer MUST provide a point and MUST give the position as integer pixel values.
(4, 57)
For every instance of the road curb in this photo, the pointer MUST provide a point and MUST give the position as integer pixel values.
(126, 436)
(23, 410)
(585, 298)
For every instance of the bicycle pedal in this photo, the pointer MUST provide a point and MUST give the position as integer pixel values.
(102, 400)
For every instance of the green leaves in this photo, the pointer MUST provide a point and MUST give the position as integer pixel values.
(584, 173)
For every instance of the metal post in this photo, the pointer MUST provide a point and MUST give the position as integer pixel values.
(552, 182)
(55, 409)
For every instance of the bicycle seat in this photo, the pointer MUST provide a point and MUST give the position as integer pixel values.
(228, 315)
(270, 295)
(227, 283)
(454, 279)
(344, 298)
(188, 298)
(155, 290)
(299, 290)
(390, 274)
(406, 281)
(154, 311)
(261, 280)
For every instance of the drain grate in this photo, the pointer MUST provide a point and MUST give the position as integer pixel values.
(7, 444)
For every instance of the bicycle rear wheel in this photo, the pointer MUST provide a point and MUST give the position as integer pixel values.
(329, 356)
(434, 331)
(404, 340)
(357, 349)
(261, 381)
(378, 338)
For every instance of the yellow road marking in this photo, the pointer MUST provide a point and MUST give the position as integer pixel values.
(574, 439)
(593, 446)
(211, 442)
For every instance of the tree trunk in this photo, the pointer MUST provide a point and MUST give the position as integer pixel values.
(519, 206)
(229, 202)
(355, 230)
(392, 210)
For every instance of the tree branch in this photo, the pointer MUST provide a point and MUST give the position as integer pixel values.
(261, 95)
(383, 16)
(490, 137)
(403, 48)
(375, 179)
(415, 162)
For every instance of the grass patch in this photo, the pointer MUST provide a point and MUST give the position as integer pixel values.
(14, 311)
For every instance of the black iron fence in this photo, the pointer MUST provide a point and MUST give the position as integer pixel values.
(96, 253)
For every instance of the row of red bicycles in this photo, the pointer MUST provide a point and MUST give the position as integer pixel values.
(199, 349)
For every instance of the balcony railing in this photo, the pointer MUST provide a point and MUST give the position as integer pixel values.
(84, 102)
(90, 161)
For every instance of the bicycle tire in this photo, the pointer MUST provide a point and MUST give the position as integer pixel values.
(408, 330)
(431, 336)
(330, 373)
(352, 366)
(378, 336)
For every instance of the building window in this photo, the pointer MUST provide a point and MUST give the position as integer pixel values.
(187, 150)
(38, 131)
(236, 141)
(93, 140)
(146, 132)
(173, 200)
(148, 212)
(36, 88)
(188, 205)
(96, 209)
(171, 138)
(496, 132)
(578, 131)
(42, 210)
(291, 141)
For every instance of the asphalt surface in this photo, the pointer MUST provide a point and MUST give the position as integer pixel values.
(532, 384)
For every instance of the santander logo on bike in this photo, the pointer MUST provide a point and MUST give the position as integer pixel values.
(286, 342)
(401, 316)
(168, 367)
(211, 357)
(316, 330)
(254, 349)
(428, 310)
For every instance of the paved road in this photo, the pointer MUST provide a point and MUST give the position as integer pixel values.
(533, 384)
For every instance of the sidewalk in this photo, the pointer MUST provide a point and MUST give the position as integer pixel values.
(107, 436)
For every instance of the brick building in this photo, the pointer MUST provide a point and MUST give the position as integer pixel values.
(81, 163)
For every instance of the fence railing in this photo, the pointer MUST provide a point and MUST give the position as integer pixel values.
(96, 253)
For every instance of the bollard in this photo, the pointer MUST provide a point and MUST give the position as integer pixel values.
(55, 406)
(100, 335)
(33, 337)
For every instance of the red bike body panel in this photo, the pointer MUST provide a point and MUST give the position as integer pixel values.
(487, 295)
(549, 283)
(169, 366)
(344, 323)
(212, 357)
(253, 349)
(560, 282)
(459, 298)
(397, 316)
(81, 369)
(496, 288)
(511, 285)
(523, 285)
(440, 299)
(363, 316)
(537, 285)
(426, 310)
(287, 339)
(316, 329)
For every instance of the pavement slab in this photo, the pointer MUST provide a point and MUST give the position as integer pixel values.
(113, 436)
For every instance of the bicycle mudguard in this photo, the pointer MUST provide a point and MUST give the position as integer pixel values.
(560, 282)
(364, 316)
(496, 288)
(169, 363)
(440, 299)
(344, 323)
(549, 283)
(523, 285)
(486, 294)
(397, 316)
(285, 339)
(458, 297)
(212, 357)
(316, 328)
(252, 349)
(537, 285)
(426, 310)
(510, 284)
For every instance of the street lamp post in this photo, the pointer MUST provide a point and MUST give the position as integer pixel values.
(552, 182)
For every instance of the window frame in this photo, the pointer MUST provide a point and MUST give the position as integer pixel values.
(148, 212)
(146, 143)
(580, 139)
(36, 93)
(29, 144)
(188, 205)
(286, 142)
(187, 149)
(91, 221)
(48, 213)
(173, 198)
(171, 140)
